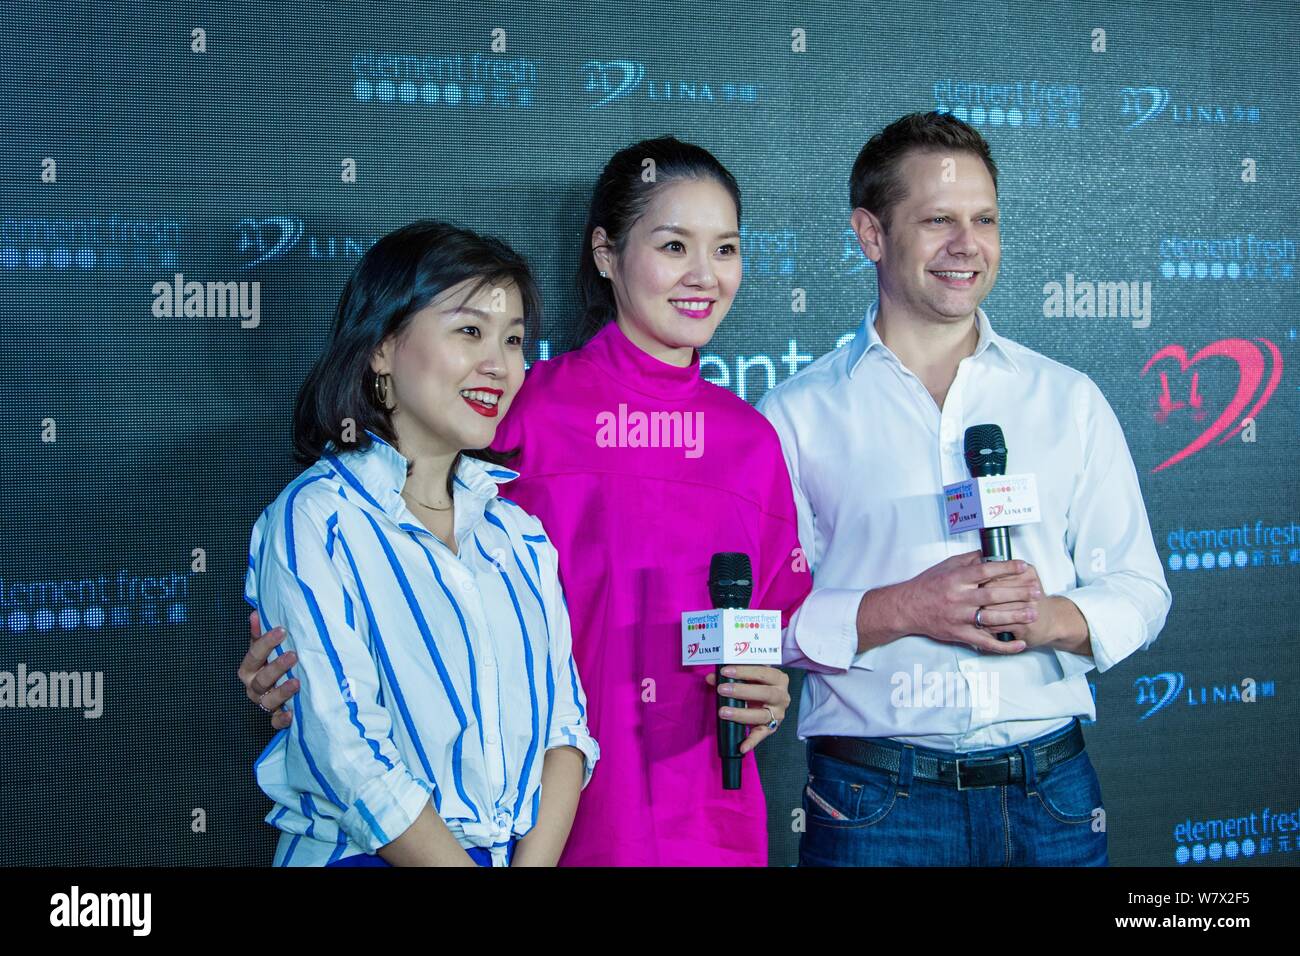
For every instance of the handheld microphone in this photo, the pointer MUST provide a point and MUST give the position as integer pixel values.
(731, 585)
(986, 456)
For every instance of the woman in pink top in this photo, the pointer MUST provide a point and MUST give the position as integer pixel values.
(640, 470)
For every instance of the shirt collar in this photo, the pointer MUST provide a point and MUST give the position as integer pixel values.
(868, 338)
(378, 474)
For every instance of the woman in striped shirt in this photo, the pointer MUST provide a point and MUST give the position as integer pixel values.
(426, 631)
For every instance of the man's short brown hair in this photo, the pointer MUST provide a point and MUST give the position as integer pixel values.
(875, 184)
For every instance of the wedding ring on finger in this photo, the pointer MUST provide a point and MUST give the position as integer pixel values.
(261, 702)
(773, 723)
(979, 621)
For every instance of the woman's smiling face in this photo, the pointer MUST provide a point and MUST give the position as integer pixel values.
(457, 365)
(679, 269)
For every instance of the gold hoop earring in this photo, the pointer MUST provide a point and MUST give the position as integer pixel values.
(381, 390)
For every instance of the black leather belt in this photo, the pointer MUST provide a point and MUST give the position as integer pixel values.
(964, 773)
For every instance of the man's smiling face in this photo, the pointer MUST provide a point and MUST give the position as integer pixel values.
(940, 256)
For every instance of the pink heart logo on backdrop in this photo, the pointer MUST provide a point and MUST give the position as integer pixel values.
(1249, 359)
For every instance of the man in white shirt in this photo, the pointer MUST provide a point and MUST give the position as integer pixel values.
(930, 741)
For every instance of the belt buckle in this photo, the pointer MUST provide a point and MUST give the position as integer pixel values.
(975, 761)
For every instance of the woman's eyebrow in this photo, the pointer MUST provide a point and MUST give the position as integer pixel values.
(453, 310)
(678, 230)
(480, 314)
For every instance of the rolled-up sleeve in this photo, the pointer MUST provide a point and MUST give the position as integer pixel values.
(1121, 589)
(341, 749)
(569, 720)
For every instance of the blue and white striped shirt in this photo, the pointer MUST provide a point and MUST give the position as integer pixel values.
(425, 675)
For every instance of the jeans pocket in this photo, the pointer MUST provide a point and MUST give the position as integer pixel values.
(855, 798)
(1071, 793)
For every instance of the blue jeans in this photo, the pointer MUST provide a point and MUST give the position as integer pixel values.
(861, 816)
(478, 854)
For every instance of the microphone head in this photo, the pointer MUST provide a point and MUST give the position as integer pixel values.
(986, 451)
(731, 581)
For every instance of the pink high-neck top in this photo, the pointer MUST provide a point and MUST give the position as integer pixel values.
(635, 527)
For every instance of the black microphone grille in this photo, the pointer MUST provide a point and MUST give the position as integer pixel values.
(986, 451)
(731, 581)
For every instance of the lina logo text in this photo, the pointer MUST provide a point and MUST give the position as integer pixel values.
(1144, 104)
(1159, 691)
(609, 80)
(262, 240)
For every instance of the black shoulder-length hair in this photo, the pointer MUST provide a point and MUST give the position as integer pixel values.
(620, 198)
(399, 275)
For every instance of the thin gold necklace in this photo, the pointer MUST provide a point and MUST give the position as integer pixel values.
(447, 507)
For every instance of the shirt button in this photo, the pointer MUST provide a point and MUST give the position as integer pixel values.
(488, 662)
(490, 738)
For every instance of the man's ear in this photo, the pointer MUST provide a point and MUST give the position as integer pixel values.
(870, 233)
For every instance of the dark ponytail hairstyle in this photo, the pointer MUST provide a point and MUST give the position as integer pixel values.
(620, 199)
(400, 274)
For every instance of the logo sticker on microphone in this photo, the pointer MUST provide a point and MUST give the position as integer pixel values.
(731, 636)
(997, 501)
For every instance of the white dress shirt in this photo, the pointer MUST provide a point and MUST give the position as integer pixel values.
(869, 452)
(425, 675)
